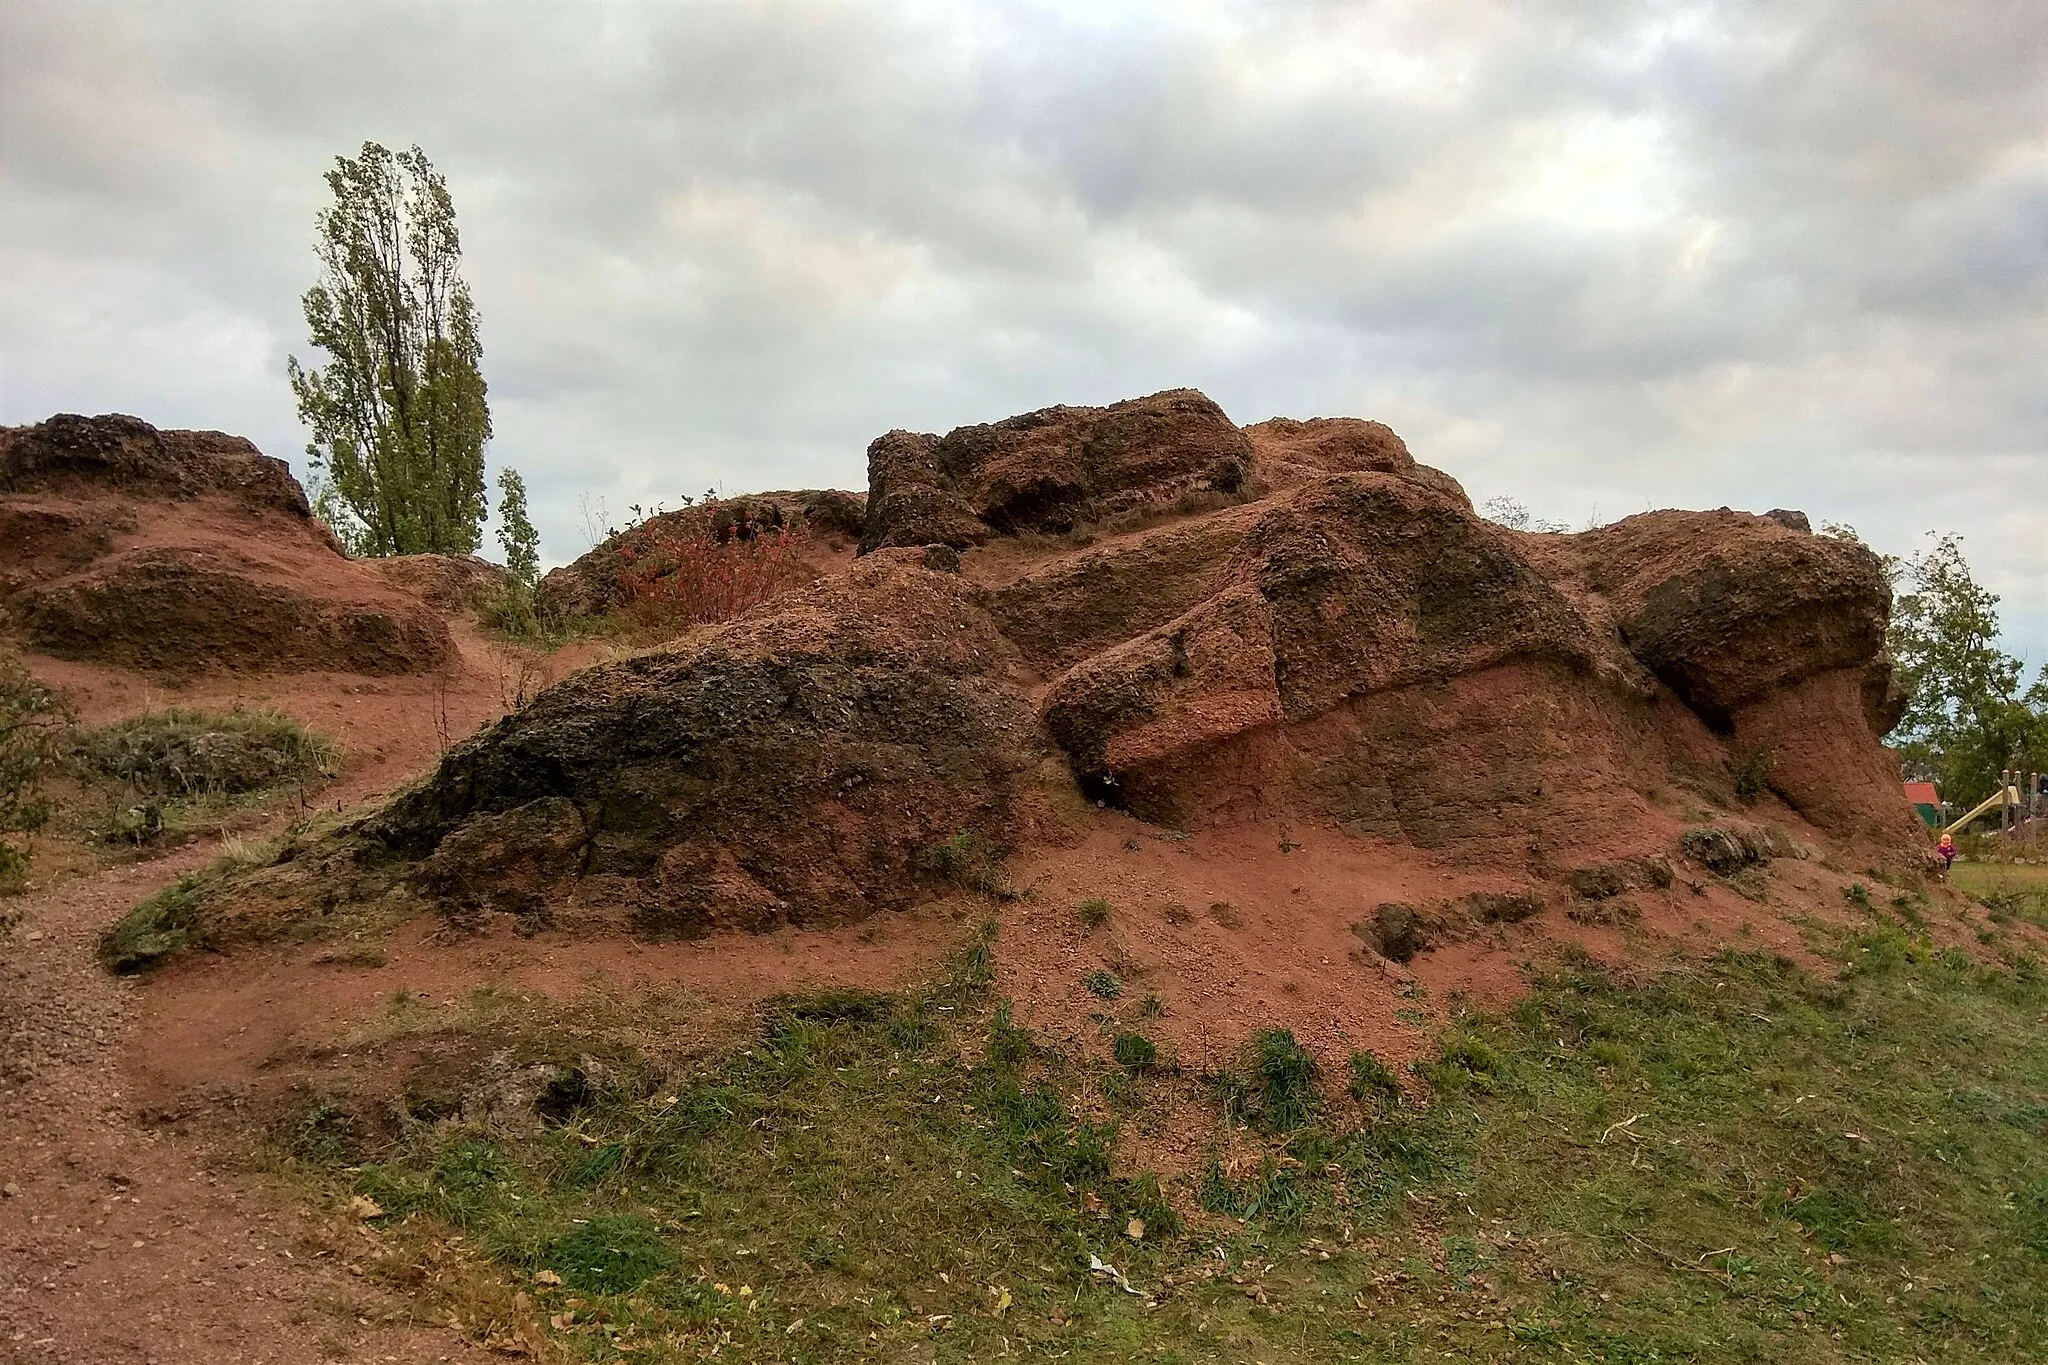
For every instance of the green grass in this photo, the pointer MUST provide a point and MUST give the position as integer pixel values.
(1103, 984)
(1736, 1161)
(967, 860)
(2011, 890)
(1093, 912)
(164, 925)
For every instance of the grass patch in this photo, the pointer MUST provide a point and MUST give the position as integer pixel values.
(1273, 1089)
(2009, 890)
(1093, 913)
(170, 771)
(968, 860)
(1735, 1162)
(1135, 1052)
(171, 921)
(839, 1184)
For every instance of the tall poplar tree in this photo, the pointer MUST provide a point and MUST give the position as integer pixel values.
(398, 412)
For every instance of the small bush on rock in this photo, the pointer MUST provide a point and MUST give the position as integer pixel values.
(175, 753)
(674, 578)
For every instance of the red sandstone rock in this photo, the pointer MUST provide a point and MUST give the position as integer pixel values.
(180, 552)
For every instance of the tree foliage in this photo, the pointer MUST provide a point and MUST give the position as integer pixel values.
(516, 536)
(1508, 512)
(1969, 716)
(32, 726)
(398, 412)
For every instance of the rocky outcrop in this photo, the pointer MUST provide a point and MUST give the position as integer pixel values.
(1771, 635)
(1328, 632)
(1353, 586)
(182, 552)
(73, 453)
(450, 583)
(172, 611)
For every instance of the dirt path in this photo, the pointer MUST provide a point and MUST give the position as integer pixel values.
(122, 1239)
(118, 1240)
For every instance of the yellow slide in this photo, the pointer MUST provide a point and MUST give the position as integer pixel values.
(1996, 799)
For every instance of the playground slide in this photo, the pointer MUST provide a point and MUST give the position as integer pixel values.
(1991, 802)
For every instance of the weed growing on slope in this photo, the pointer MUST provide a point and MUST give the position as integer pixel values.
(1273, 1088)
(1103, 984)
(968, 860)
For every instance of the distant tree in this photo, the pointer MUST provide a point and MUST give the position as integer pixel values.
(1508, 512)
(516, 535)
(1968, 717)
(398, 412)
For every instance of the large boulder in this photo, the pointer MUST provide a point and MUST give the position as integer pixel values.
(1728, 608)
(805, 764)
(1050, 470)
(1771, 635)
(1355, 586)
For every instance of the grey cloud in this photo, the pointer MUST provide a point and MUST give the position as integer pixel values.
(1594, 254)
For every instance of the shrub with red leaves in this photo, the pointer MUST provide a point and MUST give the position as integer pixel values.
(674, 578)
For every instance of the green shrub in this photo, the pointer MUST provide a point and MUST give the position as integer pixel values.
(1104, 983)
(1135, 1052)
(175, 753)
(1094, 912)
(1753, 775)
(510, 611)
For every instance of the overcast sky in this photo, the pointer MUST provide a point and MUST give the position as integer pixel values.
(1598, 256)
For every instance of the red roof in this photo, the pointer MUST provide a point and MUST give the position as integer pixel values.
(1922, 794)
